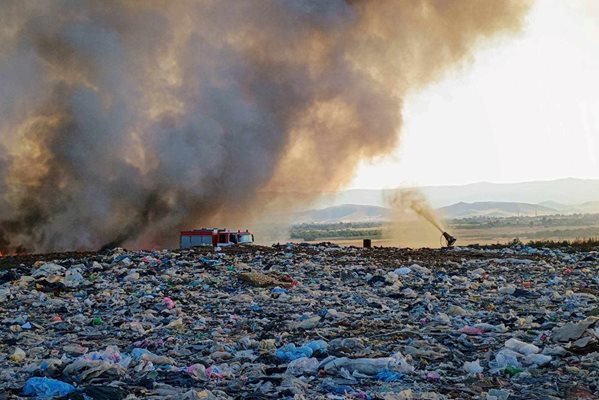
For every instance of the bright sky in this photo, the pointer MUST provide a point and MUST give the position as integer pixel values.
(526, 108)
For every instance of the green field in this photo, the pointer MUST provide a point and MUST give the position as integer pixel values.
(482, 230)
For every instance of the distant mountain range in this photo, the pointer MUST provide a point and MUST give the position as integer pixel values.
(587, 207)
(557, 194)
(344, 213)
(561, 196)
(367, 213)
(494, 209)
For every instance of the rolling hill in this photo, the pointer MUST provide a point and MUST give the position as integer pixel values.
(589, 207)
(561, 191)
(494, 209)
(343, 213)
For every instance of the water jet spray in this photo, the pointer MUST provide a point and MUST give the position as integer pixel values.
(449, 240)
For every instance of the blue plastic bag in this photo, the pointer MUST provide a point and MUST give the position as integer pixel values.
(138, 353)
(388, 376)
(317, 345)
(290, 352)
(46, 388)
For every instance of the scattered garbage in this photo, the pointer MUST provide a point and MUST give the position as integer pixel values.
(473, 367)
(18, 355)
(299, 321)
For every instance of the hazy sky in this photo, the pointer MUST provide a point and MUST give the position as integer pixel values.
(526, 107)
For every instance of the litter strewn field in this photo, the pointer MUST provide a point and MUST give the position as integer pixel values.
(302, 322)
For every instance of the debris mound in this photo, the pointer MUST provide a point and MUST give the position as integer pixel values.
(302, 322)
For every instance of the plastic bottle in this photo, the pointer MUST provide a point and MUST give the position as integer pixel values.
(511, 371)
(521, 347)
(73, 277)
(498, 394)
(197, 371)
(505, 358)
(303, 366)
(508, 289)
(537, 359)
(370, 366)
(146, 355)
(403, 271)
(18, 355)
(473, 367)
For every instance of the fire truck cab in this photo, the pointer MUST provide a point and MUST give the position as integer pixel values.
(214, 237)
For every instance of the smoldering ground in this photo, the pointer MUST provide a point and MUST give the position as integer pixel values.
(122, 121)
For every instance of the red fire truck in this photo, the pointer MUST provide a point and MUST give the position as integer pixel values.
(214, 237)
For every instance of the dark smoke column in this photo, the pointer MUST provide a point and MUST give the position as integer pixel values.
(121, 121)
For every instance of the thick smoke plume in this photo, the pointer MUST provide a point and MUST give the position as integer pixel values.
(122, 121)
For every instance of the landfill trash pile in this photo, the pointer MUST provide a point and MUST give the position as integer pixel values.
(302, 322)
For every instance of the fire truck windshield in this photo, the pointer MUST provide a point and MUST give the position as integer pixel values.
(245, 238)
